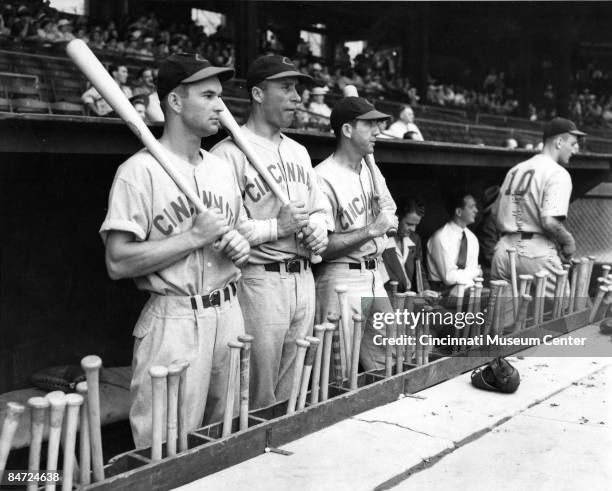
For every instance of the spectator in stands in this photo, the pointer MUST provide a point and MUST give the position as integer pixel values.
(452, 251)
(140, 104)
(96, 41)
(510, 143)
(120, 75)
(320, 112)
(404, 127)
(145, 83)
(48, 32)
(95, 103)
(486, 230)
(65, 30)
(405, 249)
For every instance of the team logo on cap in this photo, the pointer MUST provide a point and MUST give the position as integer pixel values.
(199, 58)
(287, 61)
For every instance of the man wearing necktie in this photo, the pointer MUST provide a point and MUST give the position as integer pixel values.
(452, 251)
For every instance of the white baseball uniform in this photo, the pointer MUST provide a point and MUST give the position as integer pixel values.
(278, 305)
(176, 322)
(351, 198)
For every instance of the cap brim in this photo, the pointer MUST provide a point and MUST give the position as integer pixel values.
(290, 73)
(577, 133)
(373, 114)
(223, 73)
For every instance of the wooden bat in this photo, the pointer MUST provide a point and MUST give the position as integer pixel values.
(409, 307)
(298, 368)
(589, 275)
(394, 307)
(84, 445)
(521, 319)
(525, 281)
(605, 271)
(540, 290)
(476, 329)
(489, 324)
(400, 299)
(325, 359)
(356, 349)
(14, 410)
(91, 366)
(513, 282)
(308, 361)
(173, 382)
(158, 375)
(336, 348)
(228, 121)
(582, 286)
(95, 72)
(182, 409)
(459, 308)
(73, 404)
(601, 292)
(351, 91)
(57, 402)
(344, 329)
(425, 348)
(573, 284)
(245, 374)
(419, 276)
(560, 281)
(319, 332)
(38, 415)
(234, 360)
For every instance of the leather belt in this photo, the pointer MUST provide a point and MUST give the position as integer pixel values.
(289, 266)
(216, 297)
(367, 264)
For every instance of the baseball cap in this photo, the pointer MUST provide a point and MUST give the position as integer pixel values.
(184, 68)
(351, 108)
(558, 126)
(272, 67)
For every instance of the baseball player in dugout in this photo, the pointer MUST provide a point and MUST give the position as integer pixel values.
(152, 234)
(360, 222)
(276, 290)
(533, 205)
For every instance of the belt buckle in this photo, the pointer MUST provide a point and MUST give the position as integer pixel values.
(293, 266)
(214, 298)
(370, 263)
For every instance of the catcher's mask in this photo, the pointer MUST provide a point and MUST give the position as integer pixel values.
(497, 375)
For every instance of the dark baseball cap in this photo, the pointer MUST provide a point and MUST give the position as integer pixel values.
(272, 67)
(184, 68)
(558, 126)
(350, 108)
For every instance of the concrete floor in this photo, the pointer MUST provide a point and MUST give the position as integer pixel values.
(555, 432)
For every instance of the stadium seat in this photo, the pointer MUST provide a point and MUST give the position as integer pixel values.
(67, 108)
(5, 104)
(26, 105)
(17, 90)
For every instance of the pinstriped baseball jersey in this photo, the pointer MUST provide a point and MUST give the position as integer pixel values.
(146, 202)
(351, 198)
(533, 189)
(289, 164)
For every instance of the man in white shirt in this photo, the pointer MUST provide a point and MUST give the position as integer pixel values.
(452, 251)
(320, 111)
(404, 127)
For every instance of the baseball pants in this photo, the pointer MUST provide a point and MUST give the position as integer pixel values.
(363, 283)
(278, 309)
(170, 329)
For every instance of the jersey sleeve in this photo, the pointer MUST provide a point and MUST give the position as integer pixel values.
(330, 202)
(254, 231)
(129, 210)
(228, 151)
(556, 196)
(318, 204)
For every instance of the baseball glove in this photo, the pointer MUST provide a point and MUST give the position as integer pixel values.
(62, 378)
(498, 375)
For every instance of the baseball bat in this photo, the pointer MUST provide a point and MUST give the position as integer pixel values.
(601, 292)
(425, 348)
(38, 413)
(308, 362)
(336, 348)
(230, 124)
(351, 91)
(14, 411)
(573, 284)
(57, 403)
(605, 271)
(540, 284)
(298, 369)
(344, 329)
(319, 332)
(499, 308)
(587, 284)
(182, 409)
(580, 300)
(325, 358)
(525, 281)
(356, 348)
(394, 285)
(513, 282)
(409, 307)
(419, 276)
(418, 332)
(521, 319)
(560, 280)
(491, 306)
(95, 72)
(476, 328)
(73, 404)
(173, 382)
(245, 374)
(84, 444)
(400, 331)
(234, 360)
(459, 308)
(91, 366)
(158, 375)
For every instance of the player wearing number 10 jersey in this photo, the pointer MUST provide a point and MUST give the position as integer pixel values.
(533, 205)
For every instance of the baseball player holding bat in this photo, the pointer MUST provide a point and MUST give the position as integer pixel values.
(153, 234)
(358, 238)
(533, 205)
(277, 288)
